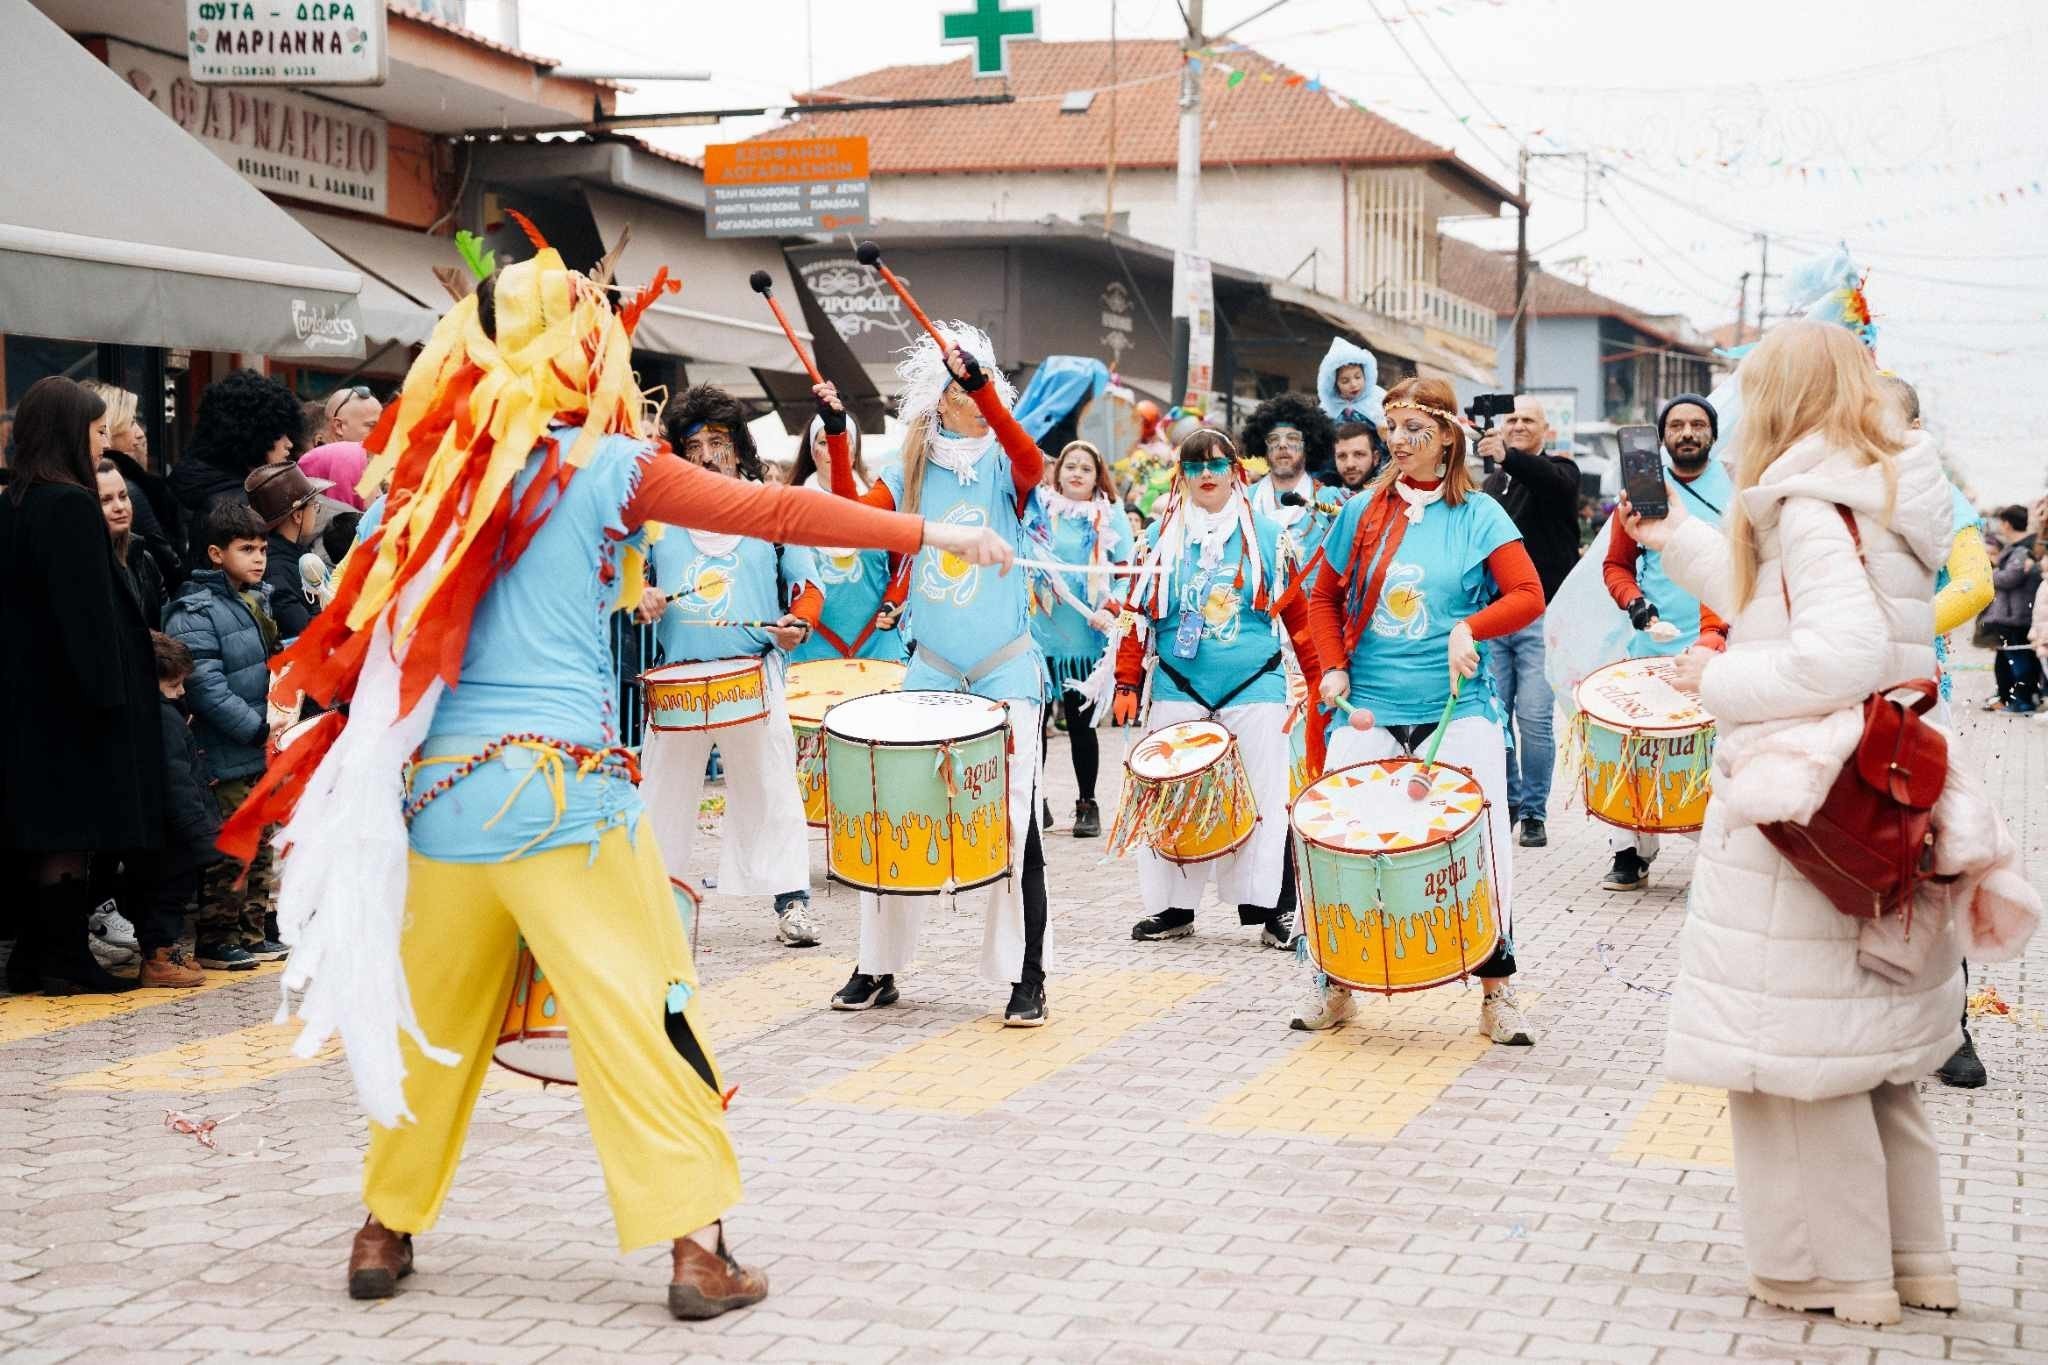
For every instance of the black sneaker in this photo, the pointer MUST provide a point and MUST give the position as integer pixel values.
(1534, 835)
(1045, 814)
(864, 992)
(1965, 1070)
(1087, 820)
(1630, 872)
(1278, 931)
(267, 950)
(225, 957)
(1168, 923)
(1027, 1006)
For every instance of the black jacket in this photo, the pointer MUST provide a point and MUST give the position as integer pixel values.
(288, 604)
(197, 485)
(159, 521)
(146, 580)
(1541, 495)
(80, 748)
(191, 815)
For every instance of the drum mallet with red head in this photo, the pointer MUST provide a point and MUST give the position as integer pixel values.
(763, 285)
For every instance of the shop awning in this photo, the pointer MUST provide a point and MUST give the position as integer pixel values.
(120, 228)
(401, 299)
(717, 316)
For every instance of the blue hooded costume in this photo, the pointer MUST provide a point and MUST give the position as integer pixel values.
(1364, 408)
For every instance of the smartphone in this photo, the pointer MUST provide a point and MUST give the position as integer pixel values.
(1642, 472)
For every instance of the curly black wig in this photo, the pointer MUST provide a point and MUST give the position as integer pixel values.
(707, 403)
(240, 419)
(1305, 415)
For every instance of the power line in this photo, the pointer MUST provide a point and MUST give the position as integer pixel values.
(1442, 98)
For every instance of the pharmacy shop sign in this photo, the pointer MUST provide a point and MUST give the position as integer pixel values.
(281, 142)
(287, 42)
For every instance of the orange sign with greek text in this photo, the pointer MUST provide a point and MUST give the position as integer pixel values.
(795, 161)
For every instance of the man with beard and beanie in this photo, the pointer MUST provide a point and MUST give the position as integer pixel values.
(1540, 493)
(1668, 620)
(1294, 436)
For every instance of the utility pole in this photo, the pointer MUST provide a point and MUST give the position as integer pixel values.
(1522, 269)
(1742, 311)
(1763, 281)
(1109, 183)
(1188, 186)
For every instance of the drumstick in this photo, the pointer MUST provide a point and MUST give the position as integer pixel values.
(1360, 717)
(1117, 570)
(1420, 783)
(762, 285)
(870, 255)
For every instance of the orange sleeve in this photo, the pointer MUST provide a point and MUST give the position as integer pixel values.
(1027, 461)
(1618, 570)
(675, 492)
(839, 451)
(1713, 630)
(809, 605)
(1521, 593)
(1326, 620)
(1130, 660)
(1294, 615)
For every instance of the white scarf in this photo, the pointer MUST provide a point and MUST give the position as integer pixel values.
(1096, 510)
(1418, 499)
(1185, 525)
(1266, 497)
(1058, 504)
(960, 454)
(711, 543)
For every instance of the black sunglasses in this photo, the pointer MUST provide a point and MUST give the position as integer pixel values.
(339, 399)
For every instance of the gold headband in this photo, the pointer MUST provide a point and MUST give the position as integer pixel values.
(1440, 414)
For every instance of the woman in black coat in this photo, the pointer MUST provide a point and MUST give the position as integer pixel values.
(81, 748)
(159, 523)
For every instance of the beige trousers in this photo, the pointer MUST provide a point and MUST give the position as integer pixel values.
(1829, 1189)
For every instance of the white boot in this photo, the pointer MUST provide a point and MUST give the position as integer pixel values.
(1500, 1018)
(1326, 1005)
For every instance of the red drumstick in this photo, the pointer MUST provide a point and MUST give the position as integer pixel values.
(762, 285)
(871, 255)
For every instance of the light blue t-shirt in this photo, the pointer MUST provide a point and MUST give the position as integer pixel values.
(1965, 518)
(1708, 497)
(965, 613)
(1071, 646)
(752, 581)
(1236, 639)
(854, 582)
(1438, 578)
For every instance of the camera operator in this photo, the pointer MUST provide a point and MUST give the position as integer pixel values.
(1540, 493)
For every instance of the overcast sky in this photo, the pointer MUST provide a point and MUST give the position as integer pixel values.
(1908, 113)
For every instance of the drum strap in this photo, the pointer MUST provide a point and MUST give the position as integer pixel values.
(1232, 695)
(968, 677)
(1411, 737)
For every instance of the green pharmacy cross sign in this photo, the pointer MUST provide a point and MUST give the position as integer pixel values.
(989, 27)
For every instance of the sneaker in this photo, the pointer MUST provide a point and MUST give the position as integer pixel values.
(793, 923)
(1534, 835)
(225, 957)
(169, 968)
(110, 955)
(110, 924)
(1965, 1070)
(1870, 1303)
(1278, 931)
(1087, 820)
(1045, 814)
(1629, 873)
(1027, 1006)
(864, 992)
(1326, 1005)
(1168, 923)
(267, 950)
(2017, 707)
(1500, 1018)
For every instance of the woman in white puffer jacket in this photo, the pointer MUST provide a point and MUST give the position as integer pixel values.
(1835, 1164)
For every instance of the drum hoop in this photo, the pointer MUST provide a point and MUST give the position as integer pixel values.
(910, 743)
(1620, 727)
(1230, 747)
(1223, 852)
(747, 666)
(700, 729)
(1641, 829)
(496, 1060)
(955, 889)
(1477, 816)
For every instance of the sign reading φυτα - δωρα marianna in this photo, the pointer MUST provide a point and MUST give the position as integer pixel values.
(287, 42)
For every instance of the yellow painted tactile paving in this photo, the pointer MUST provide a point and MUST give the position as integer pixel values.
(978, 1065)
(1369, 1078)
(1680, 1125)
(30, 1016)
(764, 998)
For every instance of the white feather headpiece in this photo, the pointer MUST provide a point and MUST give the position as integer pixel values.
(922, 375)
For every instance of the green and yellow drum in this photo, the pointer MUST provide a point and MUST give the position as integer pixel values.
(917, 792)
(1396, 893)
(1647, 748)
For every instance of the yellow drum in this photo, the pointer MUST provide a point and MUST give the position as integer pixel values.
(706, 694)
(917, 792)
(1186, 795)
(1396, 893)
(534, 1040)
(812, 689)
(1647, 748)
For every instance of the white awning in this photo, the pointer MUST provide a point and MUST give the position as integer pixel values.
(118, 227)
(401, 299)
(717, 317)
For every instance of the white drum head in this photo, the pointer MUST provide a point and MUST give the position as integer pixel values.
(914, 717)
(296, 731)
(1636, 694)
(701, 668)
(1367, 808)
(1177, 750)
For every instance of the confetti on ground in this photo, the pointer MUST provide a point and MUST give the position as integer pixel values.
(710, 811)
(1986, 1000)
(1607, 965)
(199, 1128)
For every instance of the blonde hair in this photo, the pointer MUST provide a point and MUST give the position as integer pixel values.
(1427, 394)
(1807, 379)
(120, 403)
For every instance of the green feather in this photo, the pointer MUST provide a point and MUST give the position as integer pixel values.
(480, 261)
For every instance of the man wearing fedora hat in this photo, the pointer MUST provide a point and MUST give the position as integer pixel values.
(288, 504)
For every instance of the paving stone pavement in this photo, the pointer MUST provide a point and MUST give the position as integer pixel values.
(1167, 1173)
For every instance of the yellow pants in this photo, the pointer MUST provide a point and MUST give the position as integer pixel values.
(607, 934)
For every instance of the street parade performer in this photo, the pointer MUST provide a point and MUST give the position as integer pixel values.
(468, 639)
(863, 595)
(1420, 571)
(966, 463)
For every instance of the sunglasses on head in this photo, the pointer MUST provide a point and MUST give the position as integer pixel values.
(339, 399)
(1194, 469)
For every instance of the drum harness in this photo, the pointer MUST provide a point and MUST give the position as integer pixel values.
(969, 677)
(1215, 708)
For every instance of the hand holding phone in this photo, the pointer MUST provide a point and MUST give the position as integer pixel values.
(1642, 472)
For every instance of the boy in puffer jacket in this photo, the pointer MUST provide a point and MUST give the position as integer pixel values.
(222, 615)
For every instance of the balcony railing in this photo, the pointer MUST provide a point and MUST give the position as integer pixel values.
(1429, 306)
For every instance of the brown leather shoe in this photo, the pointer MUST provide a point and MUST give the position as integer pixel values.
(167, 967)
(378, 1260)
(705, 1285)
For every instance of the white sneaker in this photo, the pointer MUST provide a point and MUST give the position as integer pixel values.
(1326, 1005)
(1500, 1018)
(113, 926)
(111, 955)
(794, 927)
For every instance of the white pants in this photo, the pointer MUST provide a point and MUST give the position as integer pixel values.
(1475, 744)
(1644, 846)
(1251, 875)
(889, 925)
(765, 850)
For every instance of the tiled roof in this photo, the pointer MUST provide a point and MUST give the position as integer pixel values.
(1260, 121)
(419, 16)
(1488, 278)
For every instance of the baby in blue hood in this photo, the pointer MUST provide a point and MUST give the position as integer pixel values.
(1345, 383)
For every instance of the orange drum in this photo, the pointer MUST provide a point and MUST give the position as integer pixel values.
(1647, 749)
(813, 688)
(1186, 795)
(534, 1040)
